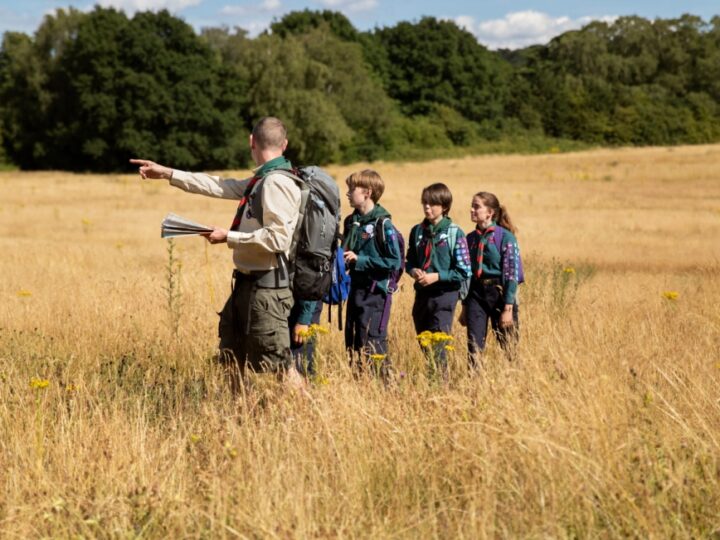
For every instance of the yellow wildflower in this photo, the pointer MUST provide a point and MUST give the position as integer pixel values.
(85, 221)
(569, 270)
(671, 295)
(230, 450)
(449, 348)
(23, 293)
(424, 343)
(70, 388)
(195, 438)
(378, 358)
(441, 337)
(313, 330)
(319, 329)
(38, 383)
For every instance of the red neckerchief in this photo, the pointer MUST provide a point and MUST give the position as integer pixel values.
(428, 245)
(481, 235)
(243, 202)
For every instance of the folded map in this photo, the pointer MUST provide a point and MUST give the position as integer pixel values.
(174, 225)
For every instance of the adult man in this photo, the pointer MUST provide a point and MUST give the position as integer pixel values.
(254, 322)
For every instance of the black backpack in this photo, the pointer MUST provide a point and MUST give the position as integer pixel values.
(316, 237)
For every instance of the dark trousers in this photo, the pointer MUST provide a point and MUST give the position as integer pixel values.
(485, 303)
(363, 333)
(304, 353)
(253, 327)
(433, 311)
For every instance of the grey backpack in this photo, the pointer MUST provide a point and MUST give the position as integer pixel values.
(317, 233)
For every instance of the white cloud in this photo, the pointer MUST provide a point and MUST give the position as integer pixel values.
(240, 10)
(350, 5)
(523, 28)
(132, 6)
(235, 10)
(255, 17)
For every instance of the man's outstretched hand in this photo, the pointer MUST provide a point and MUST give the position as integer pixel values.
(150, 169)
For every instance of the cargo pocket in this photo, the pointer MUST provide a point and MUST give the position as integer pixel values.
(270, 310)
(269, 351)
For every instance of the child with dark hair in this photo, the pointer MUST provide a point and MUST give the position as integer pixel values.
(495, 275)
(372, 253)
(438, 261)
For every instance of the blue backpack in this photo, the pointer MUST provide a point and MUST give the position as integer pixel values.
(339, 285)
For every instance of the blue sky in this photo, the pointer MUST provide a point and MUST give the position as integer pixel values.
(498, 23)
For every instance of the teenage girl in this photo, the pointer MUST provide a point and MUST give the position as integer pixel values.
(495, 260)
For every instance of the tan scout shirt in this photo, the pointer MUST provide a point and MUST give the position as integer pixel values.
(255, 246)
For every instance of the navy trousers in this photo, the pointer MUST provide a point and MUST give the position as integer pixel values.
(484, 304)
(434, 311)
(364, 334)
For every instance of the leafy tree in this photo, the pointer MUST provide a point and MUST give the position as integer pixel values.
(436, 62)
(28, 69)
(304, 22)
(286, 82)
(113, 87)
(633, 81)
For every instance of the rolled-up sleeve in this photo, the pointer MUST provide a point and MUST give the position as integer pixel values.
(280, 199)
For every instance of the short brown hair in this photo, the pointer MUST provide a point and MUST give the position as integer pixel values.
(269, 132)
(438, 193)
(368, 179)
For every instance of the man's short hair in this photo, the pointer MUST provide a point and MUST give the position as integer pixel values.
(269, 132)
(437, 193)
(368, 179)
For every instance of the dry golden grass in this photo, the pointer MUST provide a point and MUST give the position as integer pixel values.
(607, 426)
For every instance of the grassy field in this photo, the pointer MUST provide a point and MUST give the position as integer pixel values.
(115, 423)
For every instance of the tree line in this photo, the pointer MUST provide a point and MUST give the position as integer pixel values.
(90, 89)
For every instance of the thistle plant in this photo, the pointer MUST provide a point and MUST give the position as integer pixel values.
(172, 288)
(39, 385)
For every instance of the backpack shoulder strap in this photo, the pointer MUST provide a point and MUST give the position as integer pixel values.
(452, 237)
(418, 234)
(304, 193)
(498, 236)
(380, 237)
(290, 174)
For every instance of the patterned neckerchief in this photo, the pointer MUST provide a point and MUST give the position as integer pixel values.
(429, 233)
(483, 238)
